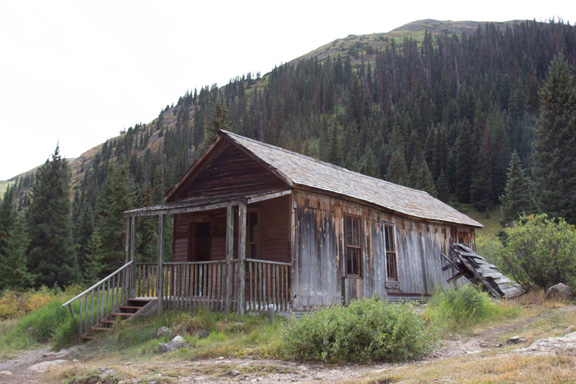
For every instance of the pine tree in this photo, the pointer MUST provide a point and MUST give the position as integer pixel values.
(422, 178)
(14, 271)
(117, 197)
(218, 120)
(51, 253)
(7, 216)
(397, 169)
(554, 155)
(147, 231)
(369, 165)
(443, 187)
(464, 162)
(518, 198)
(94, 256)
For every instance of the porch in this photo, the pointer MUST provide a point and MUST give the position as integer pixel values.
(220, 280)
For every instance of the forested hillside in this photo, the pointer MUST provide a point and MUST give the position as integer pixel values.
(442, 112)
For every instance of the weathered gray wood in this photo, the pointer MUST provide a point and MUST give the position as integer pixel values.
(241, 256)
(229, 255)
(160, 282)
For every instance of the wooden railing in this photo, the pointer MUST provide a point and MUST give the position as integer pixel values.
(185, 284)
(267, 283)
(203, 283)
(102, 298)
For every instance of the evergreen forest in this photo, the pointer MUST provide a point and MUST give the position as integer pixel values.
(484, 117)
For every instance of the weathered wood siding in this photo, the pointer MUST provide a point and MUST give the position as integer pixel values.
(230, 171)
(319, 253)
(274, 234)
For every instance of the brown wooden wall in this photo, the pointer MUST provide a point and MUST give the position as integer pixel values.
(274, 231)
(229, 171)
(318, 254)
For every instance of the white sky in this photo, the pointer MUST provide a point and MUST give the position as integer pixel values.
(78, 72)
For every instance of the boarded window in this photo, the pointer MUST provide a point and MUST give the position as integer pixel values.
(253, 235)
(353, 246)
(391, 266)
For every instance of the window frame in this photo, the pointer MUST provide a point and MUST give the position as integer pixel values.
(357, 247)
(391, 252)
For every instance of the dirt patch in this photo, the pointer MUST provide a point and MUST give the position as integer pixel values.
(29, 366)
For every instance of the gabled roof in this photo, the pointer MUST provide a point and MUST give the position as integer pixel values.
(305, 172)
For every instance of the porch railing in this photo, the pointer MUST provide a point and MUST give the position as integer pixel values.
(203, 283)
(267, 283)
(102, 298)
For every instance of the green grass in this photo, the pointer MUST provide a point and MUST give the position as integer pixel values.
(459, 309)
(229, 335)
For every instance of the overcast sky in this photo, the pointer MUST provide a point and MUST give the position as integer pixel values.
(77, 72)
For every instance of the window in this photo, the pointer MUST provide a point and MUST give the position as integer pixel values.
(391, 268)
(353, 246)
(252, 235)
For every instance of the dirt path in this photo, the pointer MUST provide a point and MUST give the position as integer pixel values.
(29, 368)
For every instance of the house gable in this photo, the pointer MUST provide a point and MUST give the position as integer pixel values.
(225, 170)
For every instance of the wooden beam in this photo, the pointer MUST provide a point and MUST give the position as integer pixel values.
(167, 210)
(257, 199)
(229, 256)
(241, 257)
(160, 273)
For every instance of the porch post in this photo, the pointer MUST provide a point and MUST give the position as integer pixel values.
(127, 234)
(160, 274)
(229, 256)
(241, 256)
(131, 257)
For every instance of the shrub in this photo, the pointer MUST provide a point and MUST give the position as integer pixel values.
(367, 330)
(539, 251)
(459, 307)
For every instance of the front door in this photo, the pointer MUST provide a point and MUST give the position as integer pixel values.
(202, 241)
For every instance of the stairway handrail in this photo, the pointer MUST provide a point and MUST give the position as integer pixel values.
(69, 302)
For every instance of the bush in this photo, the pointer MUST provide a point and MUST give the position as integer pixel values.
(367, 330)
(539, 251)
(457, 308)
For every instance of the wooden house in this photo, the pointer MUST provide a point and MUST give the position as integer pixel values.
(256, 226)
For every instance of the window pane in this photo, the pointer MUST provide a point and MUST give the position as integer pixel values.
(353, 261)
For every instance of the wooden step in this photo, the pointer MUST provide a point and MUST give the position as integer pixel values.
(109, 322)
(130, 307)
(118, 314)
(101, 329)
(85, 337)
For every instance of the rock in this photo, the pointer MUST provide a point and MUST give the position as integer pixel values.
(202, 334)
(234, 373)
(48, 354)
(239, 324)
(6, 373)
(163, 331)
(513, 340)
(173, 345)
(43, 366)
(559, 292)
(178, 339)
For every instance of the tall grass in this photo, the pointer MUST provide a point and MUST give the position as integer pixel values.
(461, 308)
(41, 319)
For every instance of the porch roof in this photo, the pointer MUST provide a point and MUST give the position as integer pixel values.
(203, 204)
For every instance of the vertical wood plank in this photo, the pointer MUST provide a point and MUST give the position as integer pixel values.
(241, 256)
(159, 289)
(229, 255)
